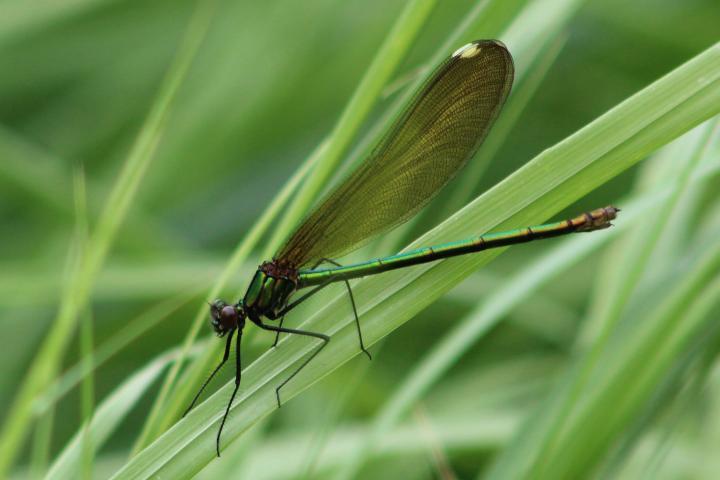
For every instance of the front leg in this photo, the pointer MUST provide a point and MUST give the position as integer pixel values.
(238, 374)
(217, 369)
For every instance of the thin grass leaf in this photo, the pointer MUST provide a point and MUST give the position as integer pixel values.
(393, 50)
(108, 416)
(619, 294)
(403, 441)
(87, 403)
(635, 265)
(43, 367)
(166, 408)
(42, 441)
(117, 342)
(633, 369)
(662, 168)
(87, 397)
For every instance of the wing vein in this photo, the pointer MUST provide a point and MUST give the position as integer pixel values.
(442, 127)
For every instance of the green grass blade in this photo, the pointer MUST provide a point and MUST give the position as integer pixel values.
(117, 206)
(664, 167)
(633, 369)
(633, 268)
(108, 416)
(639, 256)
(323, 162)
(42, 442)
(87, 396)
(516, 289)
(87, 403)
(162, 414)
(391, 53)
(633, 264)
(120, 340)
(557, 177)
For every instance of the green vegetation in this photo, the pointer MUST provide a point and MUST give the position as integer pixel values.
(153, 153)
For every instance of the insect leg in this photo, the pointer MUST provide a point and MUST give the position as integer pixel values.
(294, 304)
(352, 302)
(238, 374)
(277, 334)
(226, 355)
(306, 333)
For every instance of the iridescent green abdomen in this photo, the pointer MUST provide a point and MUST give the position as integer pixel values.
(597, 219)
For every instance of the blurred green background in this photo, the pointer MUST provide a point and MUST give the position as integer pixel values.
(267, 84)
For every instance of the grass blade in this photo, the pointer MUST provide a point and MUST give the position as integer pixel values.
(117, 206)
(108, 416)
(166, 408)
(393, 50)
(619, 139)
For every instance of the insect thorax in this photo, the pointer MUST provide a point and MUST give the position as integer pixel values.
(270, 289)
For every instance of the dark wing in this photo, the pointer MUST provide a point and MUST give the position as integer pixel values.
(436, 135)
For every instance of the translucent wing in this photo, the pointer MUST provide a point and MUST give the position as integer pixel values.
(440, 130)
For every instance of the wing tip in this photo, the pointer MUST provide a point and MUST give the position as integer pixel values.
(472, 49)
(468, 50)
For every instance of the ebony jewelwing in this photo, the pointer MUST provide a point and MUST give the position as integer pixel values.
(441, 128)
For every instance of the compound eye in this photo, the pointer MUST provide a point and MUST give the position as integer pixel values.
(228, 314)
(225, 318)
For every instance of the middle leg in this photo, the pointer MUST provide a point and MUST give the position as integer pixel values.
(352, 302)
(294, 304)
(306, 333)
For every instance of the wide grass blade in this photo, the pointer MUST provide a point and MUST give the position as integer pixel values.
(553, 180)
(633, 368)
(560, 413)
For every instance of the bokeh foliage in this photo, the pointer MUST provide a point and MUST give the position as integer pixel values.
(142, 142)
